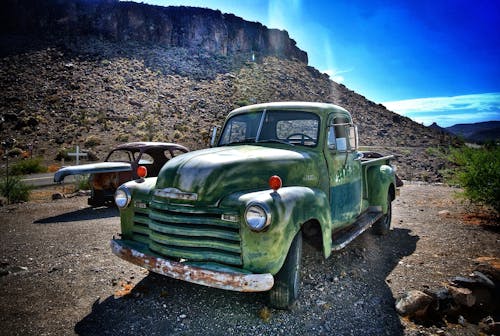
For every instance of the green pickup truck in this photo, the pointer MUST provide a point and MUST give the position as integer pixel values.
(234, 216)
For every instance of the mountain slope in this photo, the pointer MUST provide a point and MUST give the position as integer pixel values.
(62, 90)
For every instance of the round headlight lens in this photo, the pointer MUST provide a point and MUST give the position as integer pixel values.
(122, 197)
(257, 217)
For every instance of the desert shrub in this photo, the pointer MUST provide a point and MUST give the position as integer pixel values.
(478, 173)
(82, 182)
(92, 141)
(62, 154)
(122, 137)
(242, 102)
(14, 189)
(28, 166)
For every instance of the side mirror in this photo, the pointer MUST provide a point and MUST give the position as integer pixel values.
(213, 138)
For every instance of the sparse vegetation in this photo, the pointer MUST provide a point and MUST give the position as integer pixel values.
(14, 189)
(82, 182)
(478, 173)
(28, 166)
(92, 141)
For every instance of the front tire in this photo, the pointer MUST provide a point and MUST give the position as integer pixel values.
(287, 281)
(383, 225)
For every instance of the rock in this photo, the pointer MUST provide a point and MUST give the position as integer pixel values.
(444, 213)
(489, 326)
(462, 296)
(413, 303)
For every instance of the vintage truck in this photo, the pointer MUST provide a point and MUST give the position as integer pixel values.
(234, 216)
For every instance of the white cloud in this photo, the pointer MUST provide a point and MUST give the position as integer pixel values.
(447, 111)
(335, 75)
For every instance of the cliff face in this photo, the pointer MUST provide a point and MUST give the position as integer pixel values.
(186, 27)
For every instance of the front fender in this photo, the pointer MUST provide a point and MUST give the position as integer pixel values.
(290, 208)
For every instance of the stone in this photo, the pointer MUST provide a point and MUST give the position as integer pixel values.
(462, 296)
(413, 303)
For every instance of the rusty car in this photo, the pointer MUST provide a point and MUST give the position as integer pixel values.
(120, 166)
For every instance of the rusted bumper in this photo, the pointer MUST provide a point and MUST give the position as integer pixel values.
(234, 281)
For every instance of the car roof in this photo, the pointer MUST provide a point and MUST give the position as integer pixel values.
(136, 146)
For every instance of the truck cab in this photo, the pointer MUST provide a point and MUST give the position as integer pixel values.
(234, 216)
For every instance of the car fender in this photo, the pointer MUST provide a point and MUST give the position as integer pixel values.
(290, 208)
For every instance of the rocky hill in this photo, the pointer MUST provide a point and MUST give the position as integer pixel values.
(97, 73)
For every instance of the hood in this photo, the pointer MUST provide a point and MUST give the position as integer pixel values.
(92, 168)
(214, 173)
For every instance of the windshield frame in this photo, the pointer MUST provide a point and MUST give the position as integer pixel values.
(256, 137)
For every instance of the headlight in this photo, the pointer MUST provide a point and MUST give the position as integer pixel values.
(122, 197)
(257, 217)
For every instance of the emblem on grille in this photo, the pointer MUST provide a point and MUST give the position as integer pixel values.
(173, 193)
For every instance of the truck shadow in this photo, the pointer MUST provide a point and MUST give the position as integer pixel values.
(88, 213)
(346, 294)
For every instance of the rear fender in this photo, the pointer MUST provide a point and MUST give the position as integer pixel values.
(290, 208)
(381, 181)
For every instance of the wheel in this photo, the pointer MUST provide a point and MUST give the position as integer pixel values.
(287, 281)
(383, 225)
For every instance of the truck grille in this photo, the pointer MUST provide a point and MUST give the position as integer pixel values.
(191, 236)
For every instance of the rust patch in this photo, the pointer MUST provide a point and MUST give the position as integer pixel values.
(240, 282)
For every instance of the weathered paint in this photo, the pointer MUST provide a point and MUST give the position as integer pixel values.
(291, 207)
(230, 280)
(332, 188)
(92, 168)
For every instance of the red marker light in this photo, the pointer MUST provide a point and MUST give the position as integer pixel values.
(142, 171)
(275, 182)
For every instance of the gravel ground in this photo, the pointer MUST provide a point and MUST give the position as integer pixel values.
(58, 277)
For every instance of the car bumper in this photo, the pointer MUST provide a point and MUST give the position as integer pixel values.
(235, 281)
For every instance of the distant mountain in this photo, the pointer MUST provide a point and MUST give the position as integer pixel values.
(477, 132)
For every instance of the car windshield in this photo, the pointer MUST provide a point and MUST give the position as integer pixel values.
(289, 127)
(120, 155)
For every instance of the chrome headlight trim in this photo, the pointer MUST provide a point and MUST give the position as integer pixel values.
(122, 197)
(257, 216)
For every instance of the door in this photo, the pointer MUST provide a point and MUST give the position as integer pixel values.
(344, 167)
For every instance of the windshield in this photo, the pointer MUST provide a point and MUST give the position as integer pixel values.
(289, 127)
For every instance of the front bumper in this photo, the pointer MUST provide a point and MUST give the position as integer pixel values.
(235, 281)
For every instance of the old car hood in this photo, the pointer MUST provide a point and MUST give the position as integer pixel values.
(92, 168)
(210, 174)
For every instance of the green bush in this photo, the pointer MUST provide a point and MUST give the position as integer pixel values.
(29, 166)
(14, 190)
(82, 182)
(478, 173)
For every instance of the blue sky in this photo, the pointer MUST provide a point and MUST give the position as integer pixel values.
(429, 60)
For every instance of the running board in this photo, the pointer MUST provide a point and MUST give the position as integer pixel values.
(343, 237)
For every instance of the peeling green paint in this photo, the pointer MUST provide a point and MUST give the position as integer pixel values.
(329, 186)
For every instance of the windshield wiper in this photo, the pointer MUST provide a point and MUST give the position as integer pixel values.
(276, 141)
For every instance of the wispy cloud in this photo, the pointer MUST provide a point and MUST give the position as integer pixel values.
(336, 75)
(447, 111)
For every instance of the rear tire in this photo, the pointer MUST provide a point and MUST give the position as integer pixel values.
(287, 281)
(383, 225)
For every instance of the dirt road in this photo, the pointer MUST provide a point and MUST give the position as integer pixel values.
(58, 277)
